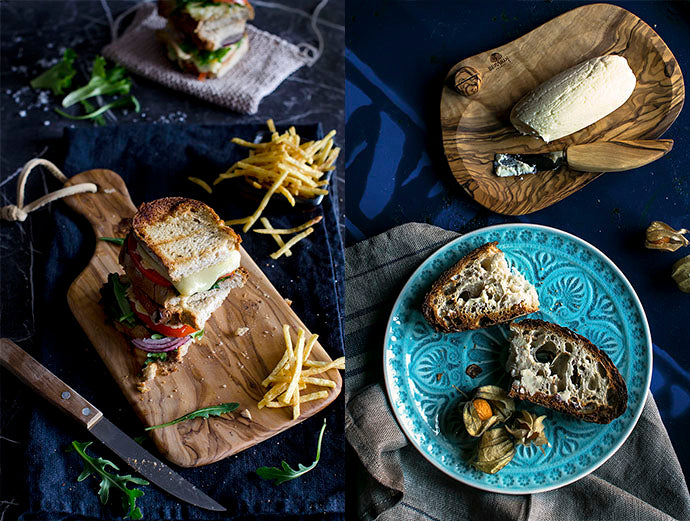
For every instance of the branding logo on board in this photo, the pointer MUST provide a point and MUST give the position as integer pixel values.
(497, 61)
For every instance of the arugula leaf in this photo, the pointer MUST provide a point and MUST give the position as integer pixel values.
(114, 240)
(98, 468)
(287, 473)
(198, 334)
(59, 76)
(120, 102)
(214, 410)
(102, 82)
(115, 301)
(157, 336)
(152, 357)
(122, 301)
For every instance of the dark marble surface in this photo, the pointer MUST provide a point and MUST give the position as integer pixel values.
(32, 37)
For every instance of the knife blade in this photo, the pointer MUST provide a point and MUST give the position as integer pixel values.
(49, 386)
(598, 156)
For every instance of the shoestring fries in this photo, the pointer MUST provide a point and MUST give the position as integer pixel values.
(288, 378)
(304, 229)
(277, 238)
(283, 165)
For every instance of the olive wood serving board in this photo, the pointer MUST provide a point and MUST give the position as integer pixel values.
(221, 367)
(480, 91)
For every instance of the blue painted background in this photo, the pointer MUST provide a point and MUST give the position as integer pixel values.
(398, 53)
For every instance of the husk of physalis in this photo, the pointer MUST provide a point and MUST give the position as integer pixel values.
(501, 408)
(681, 273)
(528, 429)
(494, 451)
(660, 236)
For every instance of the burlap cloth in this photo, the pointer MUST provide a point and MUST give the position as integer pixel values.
(641, 481)
(267, 63)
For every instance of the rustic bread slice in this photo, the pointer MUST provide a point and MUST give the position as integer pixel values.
(555, 367)
(184, 235)
(479, 291)
(196, 309)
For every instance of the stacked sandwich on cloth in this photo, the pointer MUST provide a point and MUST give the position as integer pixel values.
(208, 37)
(180, 264)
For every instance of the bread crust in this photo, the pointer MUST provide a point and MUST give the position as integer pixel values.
(602, 414)
(172, 207)
(465, 322)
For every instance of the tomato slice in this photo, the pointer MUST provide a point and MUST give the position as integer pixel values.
(162, 329)
(152, 275)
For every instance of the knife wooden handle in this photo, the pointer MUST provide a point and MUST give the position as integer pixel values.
(46, 384)
(616, 156)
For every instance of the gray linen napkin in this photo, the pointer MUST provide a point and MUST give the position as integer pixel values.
(641, 481)
(268, 62)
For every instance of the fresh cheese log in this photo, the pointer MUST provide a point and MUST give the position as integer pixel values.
(575, 98)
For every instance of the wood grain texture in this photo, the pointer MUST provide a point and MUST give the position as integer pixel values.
(616, 156)
(475, 128)
(222, 367)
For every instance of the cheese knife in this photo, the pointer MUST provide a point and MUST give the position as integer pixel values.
(598, 156)
(49, 386)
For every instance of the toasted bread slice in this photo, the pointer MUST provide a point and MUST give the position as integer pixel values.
(196, 309)
(184, 235)
(555, 367)
(211, 27)
(479, 291)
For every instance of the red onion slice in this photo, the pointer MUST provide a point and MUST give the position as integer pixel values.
(232, 40)
(160, 345)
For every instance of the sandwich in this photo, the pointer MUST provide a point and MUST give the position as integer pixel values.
(555, 367)
(180, 263)
(205, 38)
(480, 290)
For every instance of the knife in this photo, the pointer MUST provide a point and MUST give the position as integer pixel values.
(49, 386)
(599, 156)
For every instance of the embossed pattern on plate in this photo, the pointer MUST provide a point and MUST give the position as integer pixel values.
(578, 288)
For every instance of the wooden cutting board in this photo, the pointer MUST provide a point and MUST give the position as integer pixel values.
(476, 123)
(222, 367)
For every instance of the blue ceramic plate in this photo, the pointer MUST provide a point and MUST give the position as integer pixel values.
(578, 288)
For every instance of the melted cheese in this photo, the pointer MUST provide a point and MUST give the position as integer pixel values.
(199, 281)
(204, 279)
